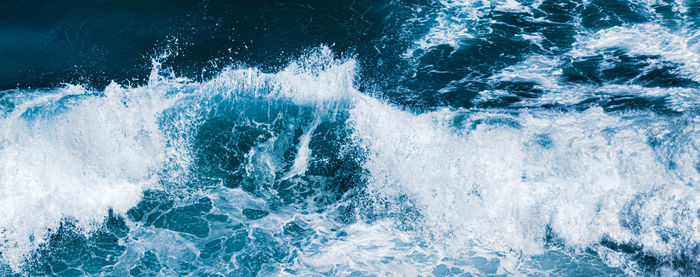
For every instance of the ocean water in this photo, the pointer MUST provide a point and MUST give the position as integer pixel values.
(350, 138)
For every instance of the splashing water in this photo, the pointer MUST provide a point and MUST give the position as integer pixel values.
(461, 138)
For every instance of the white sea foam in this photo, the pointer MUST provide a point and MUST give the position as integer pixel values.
(367, 248)
(499, 181)
(457, 20)
(478, 179)
(680, 46)
(315, 79)
(380, 248)
(301, 160)
(451, 24)
(490, 186)
(73, 154)
(70, 154)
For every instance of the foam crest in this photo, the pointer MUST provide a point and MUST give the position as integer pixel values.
(73, 154)
(505, 182)
(316, 78)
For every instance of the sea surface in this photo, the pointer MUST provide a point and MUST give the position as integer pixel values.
(350, 138)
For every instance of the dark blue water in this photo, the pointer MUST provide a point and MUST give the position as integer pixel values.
(362, 138)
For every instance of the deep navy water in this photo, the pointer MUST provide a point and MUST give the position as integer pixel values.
(350, 138)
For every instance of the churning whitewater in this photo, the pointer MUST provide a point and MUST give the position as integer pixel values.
(396, 138)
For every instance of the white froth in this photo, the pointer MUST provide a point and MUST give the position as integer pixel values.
(315, 79)
(546, 73)
(375, 248)
(74, 154)
(680, 46)
(70, 154)
(478, 179)
(301, 160)
(455, 21)
(588, 176)
(451, 24)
